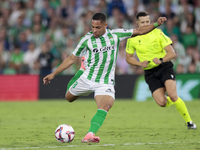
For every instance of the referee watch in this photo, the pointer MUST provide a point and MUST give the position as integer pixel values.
(161, 59)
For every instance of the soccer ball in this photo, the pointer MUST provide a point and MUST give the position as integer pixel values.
(64, 133)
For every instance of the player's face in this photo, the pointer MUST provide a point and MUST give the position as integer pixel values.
(98, 28)
(142, 21)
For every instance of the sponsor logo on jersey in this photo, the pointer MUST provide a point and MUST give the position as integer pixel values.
(107, 48)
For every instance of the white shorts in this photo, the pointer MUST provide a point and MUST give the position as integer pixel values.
(82, 87)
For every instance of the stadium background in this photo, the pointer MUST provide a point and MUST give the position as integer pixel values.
(37, 35)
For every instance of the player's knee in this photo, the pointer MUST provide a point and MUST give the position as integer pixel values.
(109, 106)
(68, 98)
(161, 102)
(105, 107)
(173, 96)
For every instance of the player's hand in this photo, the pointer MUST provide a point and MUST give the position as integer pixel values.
(157, 61)
(145, 64)
(48, 78)
(161, 20)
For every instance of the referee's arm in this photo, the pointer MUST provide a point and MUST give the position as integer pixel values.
(169, 56)
(147, 28)
(132, 61)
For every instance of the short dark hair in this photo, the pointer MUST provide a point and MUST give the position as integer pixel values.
(99, 16)
(141, 14)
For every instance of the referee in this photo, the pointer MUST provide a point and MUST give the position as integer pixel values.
(155, 52)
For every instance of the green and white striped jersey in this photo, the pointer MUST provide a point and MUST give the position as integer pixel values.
(101, 54)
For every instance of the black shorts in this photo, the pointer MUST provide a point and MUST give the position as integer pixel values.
(157, 76)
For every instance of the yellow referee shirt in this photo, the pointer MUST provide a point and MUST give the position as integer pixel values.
(149, 46)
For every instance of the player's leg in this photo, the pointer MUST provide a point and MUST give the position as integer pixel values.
(104, 96)
(178, 102)
(69, 96)
(104, 103)
(161, 99)
(157, 88)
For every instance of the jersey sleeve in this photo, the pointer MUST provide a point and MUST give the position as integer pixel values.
(129, 47)
(123, 34)
(164, 40)
(81, 47)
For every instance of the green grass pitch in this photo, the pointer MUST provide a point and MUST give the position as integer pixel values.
(128, 125)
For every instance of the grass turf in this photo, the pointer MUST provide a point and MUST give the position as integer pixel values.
(128, 125)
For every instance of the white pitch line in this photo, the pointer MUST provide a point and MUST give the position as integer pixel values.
(126, 144)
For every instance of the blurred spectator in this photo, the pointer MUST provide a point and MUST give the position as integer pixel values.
(3, 22)
(183, 9)
(16, 61)
(171, 29)
(37, 19)
(54, 3)
(121, 22)
(17, 29)
(81, 23)
(70, 45)
(178, 47)
(122, 67)
(118, 20)
(196, 59)
(60, 37)
(31, 56)
(71, 19)
(44, 7)
(116, 4)
(4, 39)
(63, 9)
(29, 13)
(37, 36)
(189, 38)
(169, 3)
(189, 21)
(192, 68)
(85, 6)
(168, 13)
(45, 58)
(4, 57)
(132, 7)
(17, 10)
(23, 42)
(180, 69)
(102, 7)
(197, 11)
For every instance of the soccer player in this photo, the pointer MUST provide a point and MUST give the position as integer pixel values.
(100, 48)
(154, 51)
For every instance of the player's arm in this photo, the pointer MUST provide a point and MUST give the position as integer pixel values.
(169, 56)
(147, 28)
(132, 61)
(65, 64)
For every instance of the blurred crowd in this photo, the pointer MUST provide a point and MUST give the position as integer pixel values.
(37, 35)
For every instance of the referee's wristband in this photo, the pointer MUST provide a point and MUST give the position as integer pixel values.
(156, 24)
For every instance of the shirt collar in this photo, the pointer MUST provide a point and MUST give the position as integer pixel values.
(105, 34)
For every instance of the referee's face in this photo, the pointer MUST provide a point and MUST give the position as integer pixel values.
(143, 20)
(98, 28)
